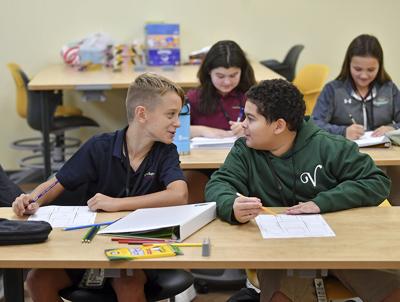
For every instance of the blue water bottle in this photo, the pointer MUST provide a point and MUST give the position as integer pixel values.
(182, 135)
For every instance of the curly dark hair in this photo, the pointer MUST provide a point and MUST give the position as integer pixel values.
(278, 99)
(225, 54)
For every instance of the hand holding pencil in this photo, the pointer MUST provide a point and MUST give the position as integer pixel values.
(26, 204)
(246, 208)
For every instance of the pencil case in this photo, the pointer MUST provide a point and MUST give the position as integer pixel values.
(23, 232)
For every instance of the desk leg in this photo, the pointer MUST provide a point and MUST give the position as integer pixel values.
(13, 285)
(46, 134)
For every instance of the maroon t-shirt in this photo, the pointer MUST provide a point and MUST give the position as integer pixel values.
(230, 104)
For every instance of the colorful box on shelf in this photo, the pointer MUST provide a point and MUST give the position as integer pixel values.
(162, 42)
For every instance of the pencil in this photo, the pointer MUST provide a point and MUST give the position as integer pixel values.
(78, 227)
(352, 119)
(268, 211)
(264, 209)
(90, 234)
(183, 244)
(44, 192)
(86, 235)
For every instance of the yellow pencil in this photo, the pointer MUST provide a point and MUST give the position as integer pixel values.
(268, 211)
(183, 244)
(264, 209)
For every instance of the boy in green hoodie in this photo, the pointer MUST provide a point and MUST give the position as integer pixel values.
(284, 160)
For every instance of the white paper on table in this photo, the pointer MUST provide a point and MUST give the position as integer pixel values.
(368, 140)
(212, 143)
(64, 216)
(293, 226)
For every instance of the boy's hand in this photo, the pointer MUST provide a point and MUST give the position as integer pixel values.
(236, 128)
(382, 130)
(246, 208)
(354, 131)
(23, 205)
(102, 202)
(308, 207)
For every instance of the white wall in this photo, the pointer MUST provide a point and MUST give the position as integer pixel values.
(32, 33)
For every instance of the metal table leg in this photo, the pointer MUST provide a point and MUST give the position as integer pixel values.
(46, 134)
(13, 285)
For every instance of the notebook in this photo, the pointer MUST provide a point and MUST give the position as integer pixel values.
(367, 140)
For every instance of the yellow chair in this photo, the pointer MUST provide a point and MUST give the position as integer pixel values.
(22, 97)
(34, 144)
(310, 80)
(334, 289)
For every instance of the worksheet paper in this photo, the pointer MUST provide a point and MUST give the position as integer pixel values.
(293, 226)
(64, 216)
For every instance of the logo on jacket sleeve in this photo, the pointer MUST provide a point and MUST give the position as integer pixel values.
(306, 176)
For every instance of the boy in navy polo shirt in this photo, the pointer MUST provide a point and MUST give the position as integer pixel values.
(135, 167)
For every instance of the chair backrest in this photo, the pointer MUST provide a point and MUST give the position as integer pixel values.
(310, 80)
(33, 108)
(291, 61)
(21, 93)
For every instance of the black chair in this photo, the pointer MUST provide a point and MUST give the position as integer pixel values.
(288, 67)
(58, 126)
(169, 283)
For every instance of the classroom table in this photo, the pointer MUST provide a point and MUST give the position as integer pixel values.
(213, 159)
(62, 77)
(366, 238)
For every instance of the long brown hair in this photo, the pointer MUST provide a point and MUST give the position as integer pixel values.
(364, 46)
(222, 54)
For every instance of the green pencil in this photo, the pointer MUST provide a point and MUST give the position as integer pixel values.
(88, 233)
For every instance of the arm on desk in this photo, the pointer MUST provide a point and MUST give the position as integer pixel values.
(176, 193)
(359, 182)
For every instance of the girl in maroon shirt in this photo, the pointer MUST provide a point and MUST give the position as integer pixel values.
(217, 104)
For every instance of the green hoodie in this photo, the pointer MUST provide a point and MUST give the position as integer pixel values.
(322, 167)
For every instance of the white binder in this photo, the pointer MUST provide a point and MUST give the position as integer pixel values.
(186, 218)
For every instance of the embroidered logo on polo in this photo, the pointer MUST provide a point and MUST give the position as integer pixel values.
(306, 176)
(149, 174)
(347, 101)
(380, 101)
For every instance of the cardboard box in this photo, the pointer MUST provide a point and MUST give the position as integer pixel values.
(162, 43)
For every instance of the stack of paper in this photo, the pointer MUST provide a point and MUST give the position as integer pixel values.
(213, 143)
(367, 140)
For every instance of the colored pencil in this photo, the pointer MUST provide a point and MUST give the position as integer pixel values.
(90, 234)
(88, 225)
(44, 192)
(180, 244)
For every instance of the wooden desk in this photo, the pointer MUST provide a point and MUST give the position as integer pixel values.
(213, 159)
(62, 77)
(366, 238)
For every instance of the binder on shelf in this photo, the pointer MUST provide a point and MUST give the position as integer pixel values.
(179, 222)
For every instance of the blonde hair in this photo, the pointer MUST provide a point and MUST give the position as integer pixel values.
(146, 91)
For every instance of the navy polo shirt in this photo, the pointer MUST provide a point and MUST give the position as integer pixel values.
(101, 165)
